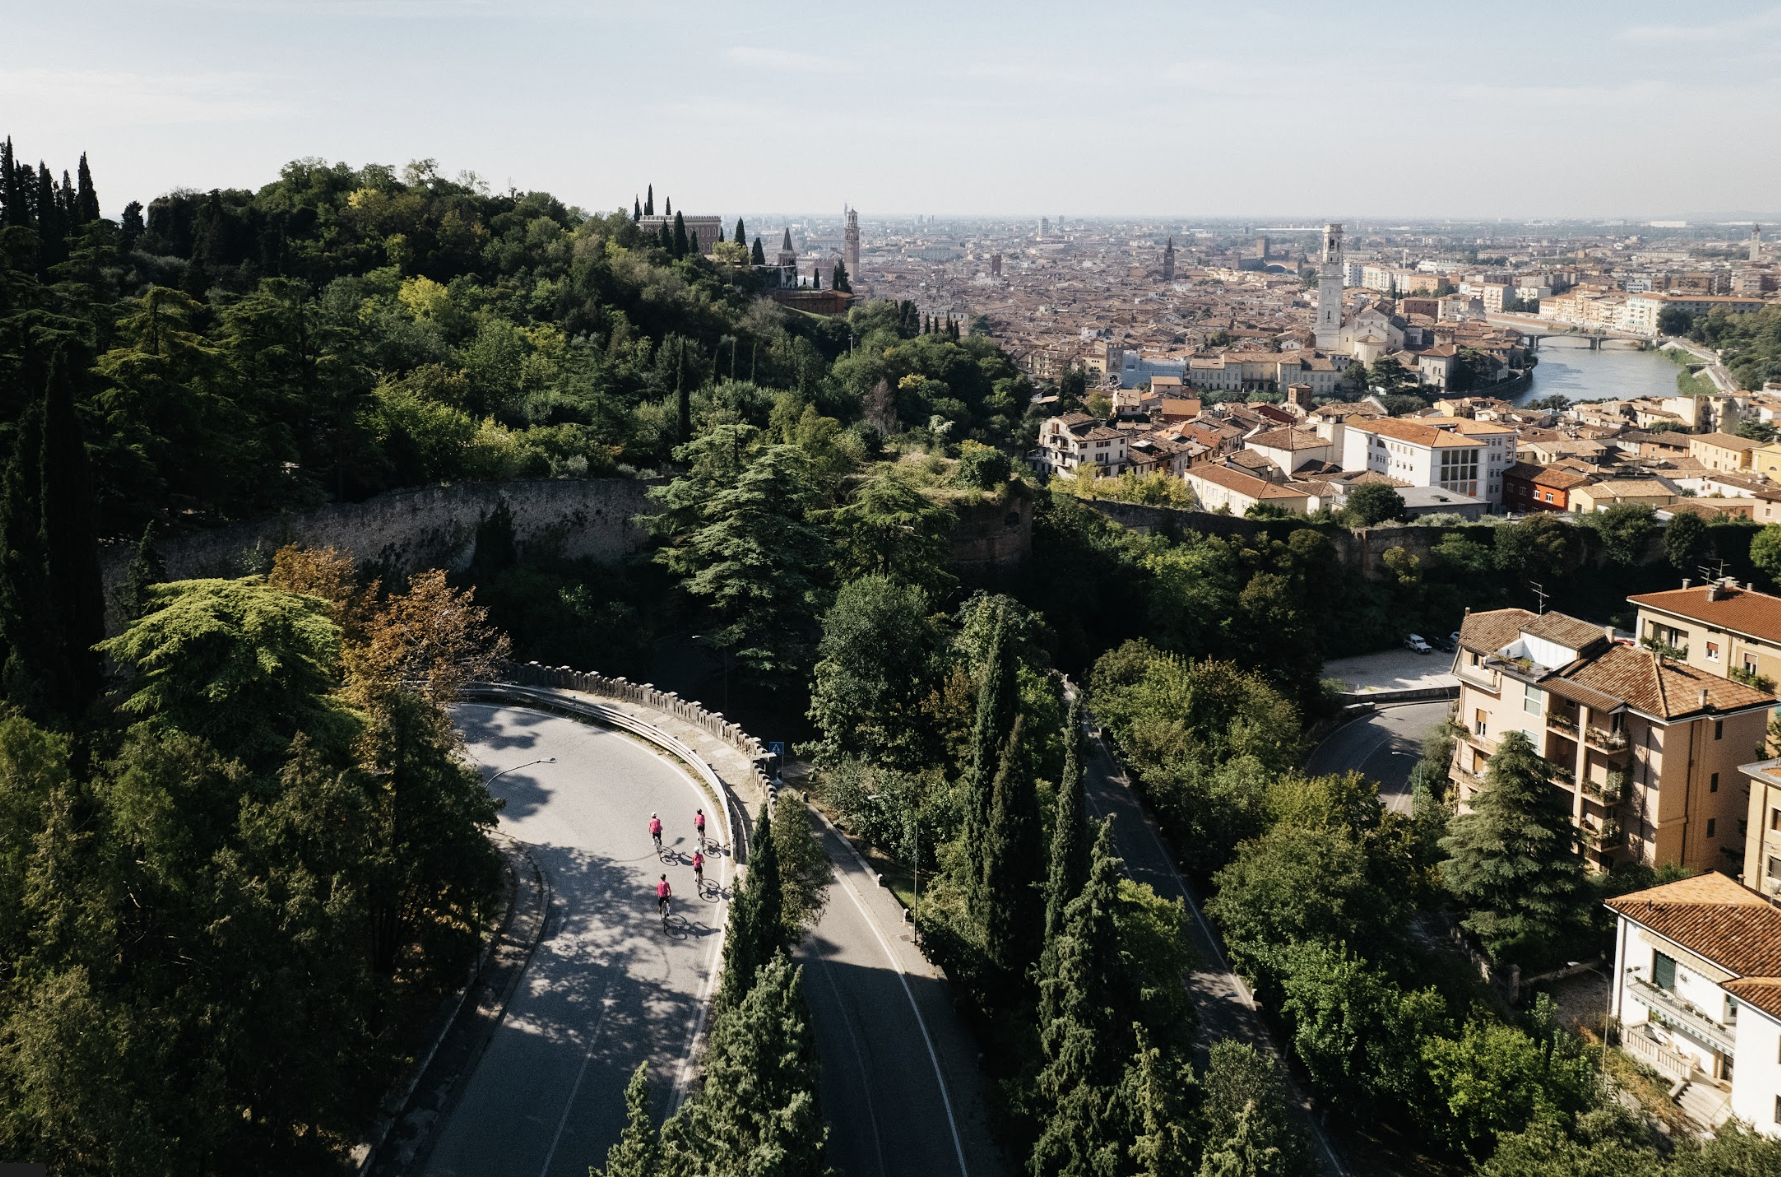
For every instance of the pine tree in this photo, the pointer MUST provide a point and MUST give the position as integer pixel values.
(1245, 1154)
(649, 202)
(1015, 918)
(997, 705)
(638, 1152)
(741, 234)
(71, 533)
(1069, 830)
(1511, 860)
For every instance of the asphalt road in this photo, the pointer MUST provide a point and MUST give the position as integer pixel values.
(900, 1085)
(1384, 746)
(607, 987)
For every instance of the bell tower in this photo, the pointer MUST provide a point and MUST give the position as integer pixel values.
(1329, 289)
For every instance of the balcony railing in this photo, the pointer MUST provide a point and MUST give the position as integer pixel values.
(1604, 740)
(1671, 1064)
(1478, 676)
(1673, 1013)
(1605, 835)
(1559, 721)
(1609, 792)
(1564, 776)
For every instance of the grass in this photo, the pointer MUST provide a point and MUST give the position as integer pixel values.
(1651, 1090)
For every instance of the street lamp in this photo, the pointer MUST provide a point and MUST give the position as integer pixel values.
(517, 767)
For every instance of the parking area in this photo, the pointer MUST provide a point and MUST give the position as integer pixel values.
(1393, 670)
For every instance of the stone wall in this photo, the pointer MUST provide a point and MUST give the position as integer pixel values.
(434, 527)
(992, 540)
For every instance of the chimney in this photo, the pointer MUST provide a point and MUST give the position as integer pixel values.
(1685, 582)
(1703, 698)
(1713, 590)
(1608, 632)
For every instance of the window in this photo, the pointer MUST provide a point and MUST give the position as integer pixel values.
(1750, 663)
(1712, 651)
(1774, 815)
(1483, 728)
(1774, 871)
(1663, 971)
(1712, 823)
(1530, 698)
(1713, 783)
(1718, 728)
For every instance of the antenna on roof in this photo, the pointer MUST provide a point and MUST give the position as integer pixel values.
(1539, 592)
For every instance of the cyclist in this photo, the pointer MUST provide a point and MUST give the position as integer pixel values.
(699, 870)
(664, 896)
(655, 831)
(699, 827)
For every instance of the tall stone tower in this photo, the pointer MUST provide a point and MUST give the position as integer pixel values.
(1756, 243)
(850, 246)
(1329, 289)
(1169, 261)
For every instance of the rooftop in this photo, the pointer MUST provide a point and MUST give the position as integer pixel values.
(1722, 921)
(1752, 614)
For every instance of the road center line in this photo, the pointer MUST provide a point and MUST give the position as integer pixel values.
(587, 1057)
(859, 1056)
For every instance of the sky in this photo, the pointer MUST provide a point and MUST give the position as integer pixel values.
(1555, 109)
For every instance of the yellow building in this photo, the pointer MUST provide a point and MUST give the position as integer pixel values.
(1649, 492)
(1722, 451)
(1766, 460)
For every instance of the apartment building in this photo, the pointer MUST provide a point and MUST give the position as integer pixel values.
(1528, 486)
(1452, 453)
(1220, 488)
(1076, 439)
(1642, 310)
(1646, 749)
(1723, 451)
(1718, 627)
(1697, 989)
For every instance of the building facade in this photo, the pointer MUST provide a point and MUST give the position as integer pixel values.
(1456, 454)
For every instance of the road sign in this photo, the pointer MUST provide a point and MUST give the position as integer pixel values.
(776, 748)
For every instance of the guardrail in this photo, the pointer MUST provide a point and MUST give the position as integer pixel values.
(546, 699)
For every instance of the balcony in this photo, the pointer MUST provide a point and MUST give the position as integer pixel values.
(1564, 776)
(1559, 721)
(1610, 792)
(1603, 740)
(1604, 836)
(1478, 676)
(1671, 1064)
(1673, 1013)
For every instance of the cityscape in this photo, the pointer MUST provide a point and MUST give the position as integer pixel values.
(1241, 639)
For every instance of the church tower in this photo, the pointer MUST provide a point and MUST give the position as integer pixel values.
(787, 255)
(1329, 290)
(850, 246)
(1756, 243)
(1169, 261)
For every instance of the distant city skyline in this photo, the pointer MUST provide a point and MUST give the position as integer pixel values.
(1132, 109)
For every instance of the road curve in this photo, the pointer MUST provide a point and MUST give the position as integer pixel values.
(607, 987)
(1384, 746)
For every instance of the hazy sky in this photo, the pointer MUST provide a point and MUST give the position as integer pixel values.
(1556, 108)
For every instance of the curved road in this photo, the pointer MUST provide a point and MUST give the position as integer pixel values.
(607, 987)
(1384, 746)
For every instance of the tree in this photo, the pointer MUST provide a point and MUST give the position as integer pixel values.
(1685, 540)
(1674, 321)
(1372, 503)
(757, 560)
(649, 202)
(146, 569)
(1511, 860)
(1239, 1084)
(86, 199)
(1245, 1153)
(1626, 530)
(681, 246)
(740, 236)
(1010, 859)
(1158, 1096)
(838, 279)
(1533, 548)
(638, 1152)
(1069, 863)
(636, 210)
(756, 928)
(998, 702)
(877, 662)
(803, 866)
(757, 256)
(890, 528)
(1765, 551)
(1494, 1080)
(757, 1112)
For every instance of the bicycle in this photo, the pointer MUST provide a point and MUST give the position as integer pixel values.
(667, 910)
(658, 842)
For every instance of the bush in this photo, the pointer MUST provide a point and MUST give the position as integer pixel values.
(981, 466)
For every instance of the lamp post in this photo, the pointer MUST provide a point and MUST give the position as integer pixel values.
(517, 767)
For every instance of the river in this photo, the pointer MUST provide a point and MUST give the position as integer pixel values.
(1608, 374)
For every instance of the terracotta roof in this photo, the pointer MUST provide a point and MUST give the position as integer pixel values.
(1244, 484)
(1289, 439)
(1756, 615)
(1725, 441)
(1662, 688)
(1547, 476)
(1565, 630)
(1716, 918)
(1426, 435)
(1493, 629)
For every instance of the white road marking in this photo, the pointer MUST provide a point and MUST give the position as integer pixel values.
(587, 1056)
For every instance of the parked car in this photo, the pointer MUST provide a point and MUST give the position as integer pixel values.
(1448, 644)
(1414, 642)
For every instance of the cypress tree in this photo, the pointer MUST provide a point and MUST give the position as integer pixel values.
(816, 279)
(14, 209)
(51, 232)
(1069, 831)
(997, 703)
(638, 1152)
(131, 227)
(692, 243)
(683, 400)
(1511, 860)
(71, 533)
(649, 202)
(1157, 1098)
(756, 928)
(757, 1111)
(86, 201)
(680, 242)
(741, 234)
(665, 239)
(757, 256)
(667, 206)
(1246, 1153)
(720, 233)
(636, 210)
(1015, 917)
(838, 279)
(33, 676)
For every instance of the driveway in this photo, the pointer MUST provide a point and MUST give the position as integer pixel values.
(1384, 746)
(1393, 670)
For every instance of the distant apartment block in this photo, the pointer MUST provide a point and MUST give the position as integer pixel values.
(1454, 454)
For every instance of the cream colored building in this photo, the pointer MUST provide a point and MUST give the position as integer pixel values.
(1722, 451)
(1221, 488)
(1452, 453)
(1697, 990)
(1720, 627)
(1646, 750)
(1599, 496)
